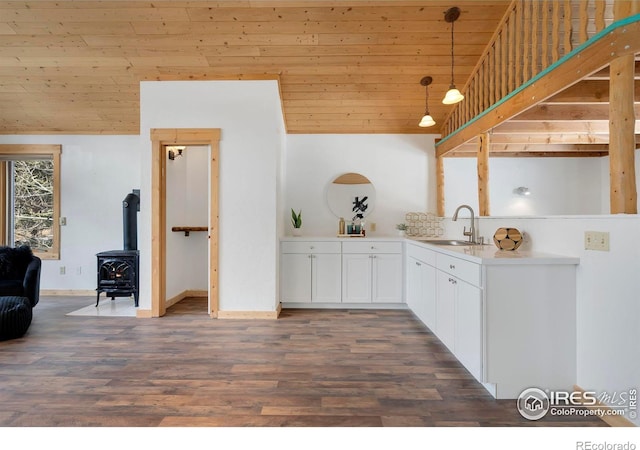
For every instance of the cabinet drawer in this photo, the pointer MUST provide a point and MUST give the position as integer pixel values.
(310, 247)
(464, 270)
(422, 254)
(372, 247)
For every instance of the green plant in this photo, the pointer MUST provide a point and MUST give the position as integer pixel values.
(401, 227)
(296, 219)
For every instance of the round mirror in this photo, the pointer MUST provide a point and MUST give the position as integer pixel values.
(351, 196)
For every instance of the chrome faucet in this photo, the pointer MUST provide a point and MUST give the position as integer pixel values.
(473, 238)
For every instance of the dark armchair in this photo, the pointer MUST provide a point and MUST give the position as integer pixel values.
(20, 273)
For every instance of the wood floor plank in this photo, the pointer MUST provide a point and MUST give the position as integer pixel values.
(309, 368)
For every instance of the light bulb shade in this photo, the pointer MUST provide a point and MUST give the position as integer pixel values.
(453, 96)
(427, 121)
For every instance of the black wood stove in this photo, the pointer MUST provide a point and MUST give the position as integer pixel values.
(118, 270)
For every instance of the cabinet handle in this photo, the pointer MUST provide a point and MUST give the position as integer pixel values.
(451, 266)
(372, 247)
(418, 264)
(309, 256)
(312, 247)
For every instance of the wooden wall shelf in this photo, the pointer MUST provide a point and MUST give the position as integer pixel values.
(187, 230)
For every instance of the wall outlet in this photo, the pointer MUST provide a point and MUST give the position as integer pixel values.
(63, 221)
(63, 270)
(596, 240)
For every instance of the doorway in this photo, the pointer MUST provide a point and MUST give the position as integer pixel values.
(160, 139)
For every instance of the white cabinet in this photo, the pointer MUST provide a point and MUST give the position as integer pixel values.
(372, 272)
(468, 327)
(295, 285)
(421, 284)
(504, 317)
(445, 309)
(311, 272)
(459, 310)
(357, 276)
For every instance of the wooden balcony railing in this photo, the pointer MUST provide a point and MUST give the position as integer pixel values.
(533, 35)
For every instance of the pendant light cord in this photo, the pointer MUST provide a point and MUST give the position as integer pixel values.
(452, 85)
(426, 102)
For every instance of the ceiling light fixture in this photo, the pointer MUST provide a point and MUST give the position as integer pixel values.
(453, 95)
(427, 120)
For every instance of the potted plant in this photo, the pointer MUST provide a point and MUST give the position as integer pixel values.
(402, 229)
(296, 221)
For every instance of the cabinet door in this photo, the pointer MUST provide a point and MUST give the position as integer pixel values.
(387, 278)
(356, 278)
(421, 291)
(468, 341)
(445, 309)
(326, 278)
(414, 285)
(295, 284)
(428, 310)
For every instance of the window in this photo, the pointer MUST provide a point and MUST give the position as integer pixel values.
(30, 198)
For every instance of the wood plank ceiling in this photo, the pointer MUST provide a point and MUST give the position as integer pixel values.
(74, 67)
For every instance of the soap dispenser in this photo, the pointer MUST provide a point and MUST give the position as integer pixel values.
(341, 226)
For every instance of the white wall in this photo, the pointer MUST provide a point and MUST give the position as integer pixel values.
(249, 115)
(608, 287)
(97, 173)
(399, 166)
(187, 205)
(559, 186)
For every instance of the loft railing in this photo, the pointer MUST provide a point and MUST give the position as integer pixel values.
(532, 35)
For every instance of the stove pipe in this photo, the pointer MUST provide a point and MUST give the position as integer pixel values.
(130, 208)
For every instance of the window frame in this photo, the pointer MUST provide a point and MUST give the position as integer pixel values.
(47, 151)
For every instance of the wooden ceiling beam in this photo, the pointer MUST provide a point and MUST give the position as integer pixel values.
(591, 91)
(549, 112)
(498, 148)
(604, 73)
(559, 138)
(592, 127)
(528, 154)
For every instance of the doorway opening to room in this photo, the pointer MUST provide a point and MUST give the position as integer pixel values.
(187, 218)
(184, 218)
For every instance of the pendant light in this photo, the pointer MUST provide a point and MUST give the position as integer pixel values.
(453, 95)
(427, 120)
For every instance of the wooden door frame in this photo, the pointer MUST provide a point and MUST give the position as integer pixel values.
(161, 137)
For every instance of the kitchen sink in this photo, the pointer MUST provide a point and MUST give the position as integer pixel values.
(445, 241)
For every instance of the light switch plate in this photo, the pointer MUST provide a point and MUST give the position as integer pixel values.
(596, 240)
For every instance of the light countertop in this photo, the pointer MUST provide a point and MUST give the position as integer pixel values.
(491, 255)
(481, 254)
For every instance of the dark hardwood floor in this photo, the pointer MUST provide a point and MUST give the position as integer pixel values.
(309, 368)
